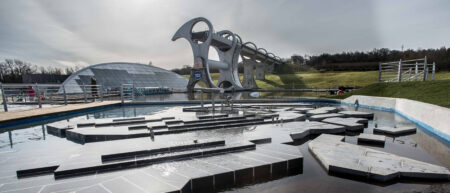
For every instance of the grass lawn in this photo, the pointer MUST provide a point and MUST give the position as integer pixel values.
(322, 80)
(435, 92)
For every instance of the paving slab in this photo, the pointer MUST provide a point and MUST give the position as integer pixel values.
(349, 124)
(344, 158)
(200, 179)
(222, 177)
(274, 105)
(305, 129)
(255, 121)
(359, 120)
(371, 138)
(215, 115)
(322, 110)
(243, 173)
(95, 134)
(182, 146)
(82, 168)
(178, 182)
(288, 116)
(123, 184)
(59, 129)
(209, 123)
(301, 109)
(403, 130)
(128, 119)
(321, 117)
(280, 109)
(357, 114)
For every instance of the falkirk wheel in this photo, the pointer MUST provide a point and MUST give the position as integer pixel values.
(229, 47)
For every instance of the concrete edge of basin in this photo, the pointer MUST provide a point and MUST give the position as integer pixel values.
(441, 130)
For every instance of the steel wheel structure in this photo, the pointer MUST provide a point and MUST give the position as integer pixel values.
(229, 47)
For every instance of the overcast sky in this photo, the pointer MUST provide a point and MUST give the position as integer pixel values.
(65, 33)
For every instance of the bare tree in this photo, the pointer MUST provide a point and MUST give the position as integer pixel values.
(11, 70)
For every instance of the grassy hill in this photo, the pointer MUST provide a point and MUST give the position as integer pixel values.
(435, 92)
(322, 80)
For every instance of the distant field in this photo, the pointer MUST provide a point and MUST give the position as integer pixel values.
(322, 80)
(434, 92)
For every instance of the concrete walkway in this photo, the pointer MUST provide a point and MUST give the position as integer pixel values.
(25, 114)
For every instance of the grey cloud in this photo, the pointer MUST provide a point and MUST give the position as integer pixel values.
(84, 32)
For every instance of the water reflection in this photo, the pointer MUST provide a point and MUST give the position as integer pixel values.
(30, 135)
(209, 96)
(23, 136)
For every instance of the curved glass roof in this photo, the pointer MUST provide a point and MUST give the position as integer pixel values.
(112, 75)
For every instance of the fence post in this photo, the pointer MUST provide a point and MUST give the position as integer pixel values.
(409, 76)
(433, 70)
(100, 91)
(379, 72)
(5, 106)
(425, 69)
(400, 71)
(121, 94)
(38, 95)
(85, 93)
(65, 94)
(416, 72)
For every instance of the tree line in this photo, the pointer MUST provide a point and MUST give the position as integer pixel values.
(353, 61)
(365, 61)
(12, 70)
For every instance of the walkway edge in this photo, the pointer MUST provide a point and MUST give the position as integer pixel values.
(16, 118)
(433, 118)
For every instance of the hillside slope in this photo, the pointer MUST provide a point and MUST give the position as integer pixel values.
(435, 92)
(321, 80)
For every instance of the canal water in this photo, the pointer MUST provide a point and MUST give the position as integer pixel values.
(421, 146)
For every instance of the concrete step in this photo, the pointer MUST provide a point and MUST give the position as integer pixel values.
(354, 160)
(321, 110)
(395, 131)
(210, 116)
(71, 170)
(357, 114)
(301, 109)
(128, 119)
(59, 131)
(304, 130)
(148, 152)
(349, 124)
(366, 138)
(181, 122)
(39, 170)
(210, 123)
(207, 127)
(115, 122)
(321, 117)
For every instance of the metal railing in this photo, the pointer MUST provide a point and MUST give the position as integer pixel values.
(37, 95)
(406, 70)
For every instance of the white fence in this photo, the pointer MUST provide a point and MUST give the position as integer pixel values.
(406, 70)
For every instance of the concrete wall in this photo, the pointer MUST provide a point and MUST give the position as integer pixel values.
(433, 118)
